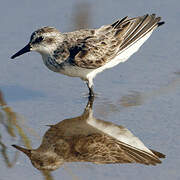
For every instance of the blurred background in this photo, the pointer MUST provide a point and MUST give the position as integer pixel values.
(142, 94)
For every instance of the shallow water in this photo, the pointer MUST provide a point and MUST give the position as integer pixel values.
(141, 94)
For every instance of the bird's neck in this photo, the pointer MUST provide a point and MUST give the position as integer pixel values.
(51, 63)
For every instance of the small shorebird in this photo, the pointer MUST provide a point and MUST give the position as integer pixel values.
(87, 139)
(87, 52)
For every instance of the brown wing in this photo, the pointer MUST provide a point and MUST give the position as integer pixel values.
(102, 149)
(94, 51)
(100, 48)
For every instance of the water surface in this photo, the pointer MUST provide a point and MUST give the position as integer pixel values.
(141, 94)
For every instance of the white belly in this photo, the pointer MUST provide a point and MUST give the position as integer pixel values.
(75, 71)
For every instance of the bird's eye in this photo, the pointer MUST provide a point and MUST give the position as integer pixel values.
(39, 39)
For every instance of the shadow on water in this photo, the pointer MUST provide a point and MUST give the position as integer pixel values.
(135, 98)
(11, 122)
(87, 139)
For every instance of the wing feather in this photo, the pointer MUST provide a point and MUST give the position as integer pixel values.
(105, 43)
(102, 149)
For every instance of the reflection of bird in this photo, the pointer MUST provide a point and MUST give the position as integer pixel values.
(87, 139)
(87, 52)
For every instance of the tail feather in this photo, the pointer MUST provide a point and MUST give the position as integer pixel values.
(136, 25)
(142, 157)
(142, 30)
(137, 29)
(117, 23)
(158, 154)
(160, 23)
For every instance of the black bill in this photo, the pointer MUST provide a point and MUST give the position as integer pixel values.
(22, 51)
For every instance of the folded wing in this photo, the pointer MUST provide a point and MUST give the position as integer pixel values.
(111, 40)
(102, 149)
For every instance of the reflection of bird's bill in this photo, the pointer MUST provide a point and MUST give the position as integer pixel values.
(26, 49)
(26, 151)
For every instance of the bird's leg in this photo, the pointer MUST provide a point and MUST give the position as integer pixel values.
(90, 87)
(90, 103)
(91, 93)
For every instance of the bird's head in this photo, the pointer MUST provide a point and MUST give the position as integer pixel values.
(49, 161)
(44, 40)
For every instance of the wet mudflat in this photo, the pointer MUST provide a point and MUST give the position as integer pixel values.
(141, 94)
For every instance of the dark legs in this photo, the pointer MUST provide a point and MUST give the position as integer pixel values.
(89, 106)
(90, 87)
(90, 102)
(91, 92)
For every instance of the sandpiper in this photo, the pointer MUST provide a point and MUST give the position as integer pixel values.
(87, 52)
